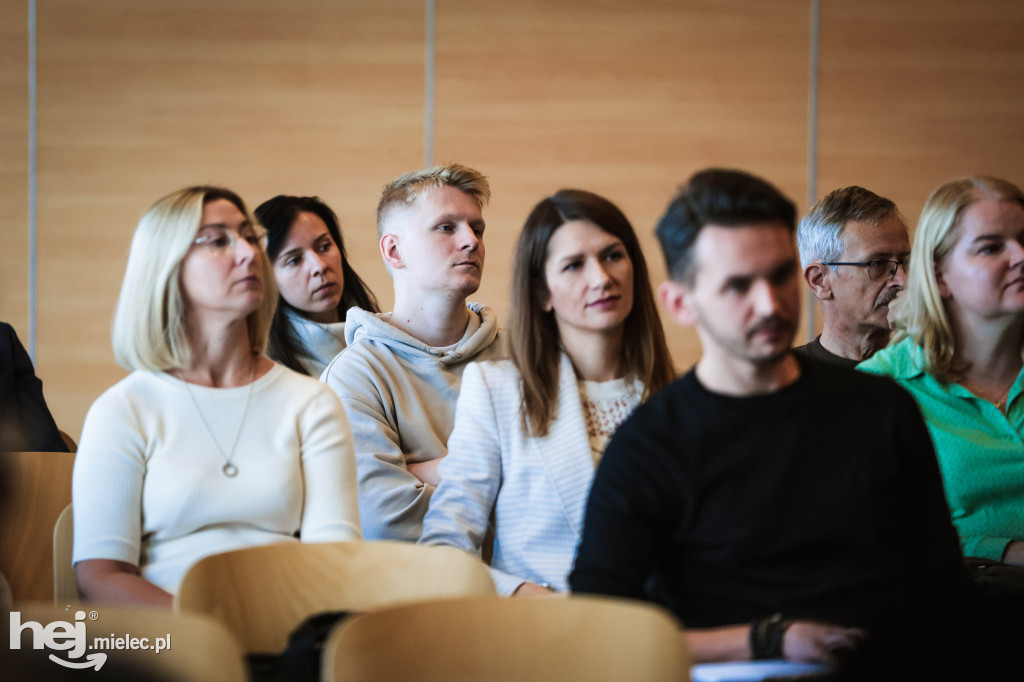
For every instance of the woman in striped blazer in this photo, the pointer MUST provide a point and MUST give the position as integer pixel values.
(585, 346)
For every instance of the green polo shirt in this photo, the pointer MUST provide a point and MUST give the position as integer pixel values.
(980, 450)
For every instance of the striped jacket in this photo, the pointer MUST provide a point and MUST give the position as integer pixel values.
(536, 488)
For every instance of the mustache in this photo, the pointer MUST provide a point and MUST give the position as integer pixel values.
(886, 297)
(772, 323)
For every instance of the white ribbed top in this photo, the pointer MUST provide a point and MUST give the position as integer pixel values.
(148, 487)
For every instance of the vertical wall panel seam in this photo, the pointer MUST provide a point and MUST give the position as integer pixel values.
(428, 95)
(812, 139)
(32, 173)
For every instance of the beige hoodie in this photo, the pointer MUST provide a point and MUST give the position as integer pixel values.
(399, 395)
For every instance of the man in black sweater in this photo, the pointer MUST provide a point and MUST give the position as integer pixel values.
(780, 507)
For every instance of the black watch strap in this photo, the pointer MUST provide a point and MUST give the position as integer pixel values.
(766, 636)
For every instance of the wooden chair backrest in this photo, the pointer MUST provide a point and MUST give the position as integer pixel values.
(69, 441)
(65, 589)
(38, 488)
(263, 593)
(548, 638)
(196, 647)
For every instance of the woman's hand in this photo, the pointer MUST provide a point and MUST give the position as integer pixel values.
(532, 590)
(1014, 553)
(104, 581)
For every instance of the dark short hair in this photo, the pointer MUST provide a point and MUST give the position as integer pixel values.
(727, 198)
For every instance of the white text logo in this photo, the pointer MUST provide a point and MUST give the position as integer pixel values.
(63, 636)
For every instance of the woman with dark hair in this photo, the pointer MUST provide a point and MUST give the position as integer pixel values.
(316, 282)
(959, 350)
(586, 347)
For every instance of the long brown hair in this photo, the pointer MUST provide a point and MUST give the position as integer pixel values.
(533, 333)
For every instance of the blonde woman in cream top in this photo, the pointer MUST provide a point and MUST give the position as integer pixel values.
(207, 446)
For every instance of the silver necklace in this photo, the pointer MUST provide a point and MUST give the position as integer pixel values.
(229, 469)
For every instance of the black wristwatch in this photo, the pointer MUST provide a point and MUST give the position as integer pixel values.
(766, 636)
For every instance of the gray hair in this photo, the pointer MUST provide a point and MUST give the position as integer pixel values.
(820, 235)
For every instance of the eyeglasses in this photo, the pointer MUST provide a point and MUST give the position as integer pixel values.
(219, 240)
(880, 269)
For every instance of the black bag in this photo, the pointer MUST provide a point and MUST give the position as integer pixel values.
(300, 661)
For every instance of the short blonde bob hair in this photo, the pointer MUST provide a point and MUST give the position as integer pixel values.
(922, 316)
(149, 324)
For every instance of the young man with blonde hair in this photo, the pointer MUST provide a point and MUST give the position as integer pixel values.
(400, 374)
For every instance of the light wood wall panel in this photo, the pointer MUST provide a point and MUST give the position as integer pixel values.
(14, 165)
(320, 97)
(916, 93)
(626, 99)
(137, 99)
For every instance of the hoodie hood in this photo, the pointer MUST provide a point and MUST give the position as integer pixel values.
(482, 331)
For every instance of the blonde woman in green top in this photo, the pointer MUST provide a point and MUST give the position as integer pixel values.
(958, 350)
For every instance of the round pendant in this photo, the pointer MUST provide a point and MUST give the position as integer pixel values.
(230, 470)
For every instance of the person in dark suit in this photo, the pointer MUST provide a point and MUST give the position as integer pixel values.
(25, 422)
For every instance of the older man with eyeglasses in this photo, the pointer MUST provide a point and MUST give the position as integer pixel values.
(854, 250)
